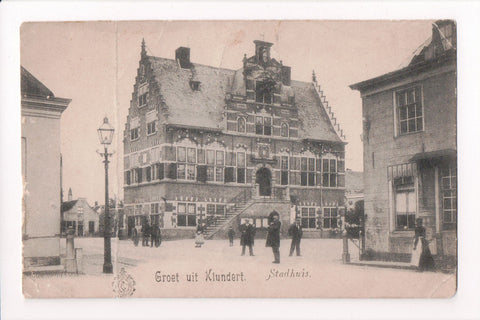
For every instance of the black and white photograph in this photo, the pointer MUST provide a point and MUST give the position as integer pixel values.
(269, 159)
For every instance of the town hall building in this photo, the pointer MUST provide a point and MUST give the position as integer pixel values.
(207, 146)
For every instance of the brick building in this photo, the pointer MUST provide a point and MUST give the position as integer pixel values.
(409, 136)
(41, 112)
(207, 145)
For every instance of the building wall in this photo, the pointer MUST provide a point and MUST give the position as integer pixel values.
(87, 215)
(382, 149)
(41, 171)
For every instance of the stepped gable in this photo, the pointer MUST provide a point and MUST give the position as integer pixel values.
(314, 120)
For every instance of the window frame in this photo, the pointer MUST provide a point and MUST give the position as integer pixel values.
(397, 111)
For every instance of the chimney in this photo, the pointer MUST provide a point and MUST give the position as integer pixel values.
(286, 75)
(70, 195)
(182, 55)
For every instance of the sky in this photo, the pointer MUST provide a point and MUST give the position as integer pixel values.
(95, 64)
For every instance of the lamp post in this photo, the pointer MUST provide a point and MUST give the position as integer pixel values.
(105, 134)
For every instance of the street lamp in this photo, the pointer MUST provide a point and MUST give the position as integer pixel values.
(105, 134)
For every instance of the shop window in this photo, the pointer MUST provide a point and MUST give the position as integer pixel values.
(405, 203)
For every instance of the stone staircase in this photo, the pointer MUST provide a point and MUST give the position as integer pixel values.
(240, 203)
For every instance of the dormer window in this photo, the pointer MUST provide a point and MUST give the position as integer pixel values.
(195, 85)
(264, 92)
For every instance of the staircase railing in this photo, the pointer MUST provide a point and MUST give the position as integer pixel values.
(238, 200)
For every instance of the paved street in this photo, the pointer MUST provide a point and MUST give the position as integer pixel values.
(162, 272)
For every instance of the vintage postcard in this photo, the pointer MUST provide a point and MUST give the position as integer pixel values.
(239, 159)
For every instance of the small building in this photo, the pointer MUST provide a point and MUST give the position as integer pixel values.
(353, 188)
(211, 146)
(410, 150)
(78, 214)
(40, 143)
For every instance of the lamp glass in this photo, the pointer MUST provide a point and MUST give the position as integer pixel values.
(105, 132)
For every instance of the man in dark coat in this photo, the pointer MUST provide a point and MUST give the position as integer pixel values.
(296, 232)
(273, 235)
(145, 232)
(155, 236)
(247, 235)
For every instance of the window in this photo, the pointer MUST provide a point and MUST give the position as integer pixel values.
(263, 91)
(154, 208)
(151, 128)
(241, 124)
(181, 159)
(142, 95)
(134, 134)
(409, 110)
(449, 191)
(284, 130)
(195, 85)
(307, 175)
(308, 218)
(137, 175)
(128, 180)
(241, 163)
(329, 173)
(186, 215)
(330, 218)
(263, 125)
(259, 125)
(405, 203)
(148, 173)
(284, 174)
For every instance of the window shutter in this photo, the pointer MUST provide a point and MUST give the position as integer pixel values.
(172, 171)
(161, 171)
(229, 174)
(202, 173)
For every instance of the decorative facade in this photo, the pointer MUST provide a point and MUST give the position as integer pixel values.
(209, 146)
(409, 137)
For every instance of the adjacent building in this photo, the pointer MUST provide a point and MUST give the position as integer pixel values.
(210, 146)
(410, 150)
(40, 143)
(78, 215)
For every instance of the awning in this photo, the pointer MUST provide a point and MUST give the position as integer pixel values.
(445, 153)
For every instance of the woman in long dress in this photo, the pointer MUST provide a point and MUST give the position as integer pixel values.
(426, 260)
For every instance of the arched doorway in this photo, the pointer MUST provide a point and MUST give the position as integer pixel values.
(264, 179)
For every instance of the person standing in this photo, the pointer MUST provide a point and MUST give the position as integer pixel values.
(145, 232)
(231, 235)
(273, 235)
(426, 259)
(296, 232)
(247, 235)
(155, 236)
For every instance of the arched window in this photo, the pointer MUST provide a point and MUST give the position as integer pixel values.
(284, 130)
(241, 124)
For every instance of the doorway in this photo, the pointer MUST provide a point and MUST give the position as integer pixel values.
(264, 179)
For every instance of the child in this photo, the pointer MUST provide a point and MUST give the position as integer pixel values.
(231, 234)
(199, 240)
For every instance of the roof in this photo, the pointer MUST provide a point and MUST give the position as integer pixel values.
(205, 107)
(432, 155)
(32, 87)
(435, 51)
(354, 181)
(67, 205)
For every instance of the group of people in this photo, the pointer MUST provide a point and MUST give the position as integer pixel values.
(151, 233)
(247, 236)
